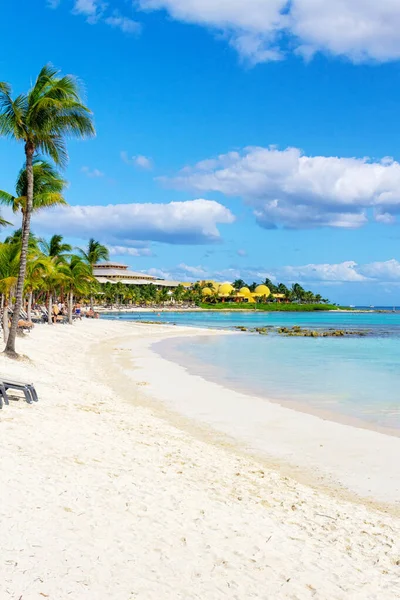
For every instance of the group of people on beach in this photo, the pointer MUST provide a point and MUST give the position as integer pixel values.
(60, 310)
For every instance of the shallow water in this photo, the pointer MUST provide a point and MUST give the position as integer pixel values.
(347, 377)
(356, 377)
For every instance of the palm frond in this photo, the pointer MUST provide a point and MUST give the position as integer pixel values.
(6, 198)
(48, 199)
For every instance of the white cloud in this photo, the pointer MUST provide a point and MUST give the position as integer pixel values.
(140, 161)
(97, 11)
(129, 251)
(125, 24)
(252, 27)
(87, 7)
(268, 30)
(358, 29)
(345, 271)
(263, 30)
(288, 188)
(190, 222)
(93, 173)
(381, 273)
(387, 271)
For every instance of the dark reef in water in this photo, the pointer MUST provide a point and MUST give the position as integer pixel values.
(297, 331)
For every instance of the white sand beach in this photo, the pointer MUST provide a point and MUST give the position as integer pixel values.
(125, 482)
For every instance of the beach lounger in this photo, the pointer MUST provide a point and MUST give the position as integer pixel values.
(28, 389)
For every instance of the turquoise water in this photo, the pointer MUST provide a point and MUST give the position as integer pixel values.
(348, 377)
(357, 377)
(379, 323)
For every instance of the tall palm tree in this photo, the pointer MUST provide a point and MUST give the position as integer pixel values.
(77, 276)
(41, 119)
(298, 291)
(55, 247)
(94, 253)
(9, 261)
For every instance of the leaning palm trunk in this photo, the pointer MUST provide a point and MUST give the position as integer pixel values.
(5, 323)
(26, 223)
(70, 304)
(29, 311)
(50, 309)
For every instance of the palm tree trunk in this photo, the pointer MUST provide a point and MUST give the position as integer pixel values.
(29, 311)
(70, 304)
(26, 223)
(50, 309)
(5, 323)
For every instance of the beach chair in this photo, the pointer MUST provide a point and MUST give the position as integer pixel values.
(28, 389)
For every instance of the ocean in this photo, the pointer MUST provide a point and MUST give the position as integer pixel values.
(352, 378)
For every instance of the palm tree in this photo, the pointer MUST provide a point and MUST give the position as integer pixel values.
(9, 260)
(16, 236)
(298, 291)
(41, 120)
(55, 247)
(178, 293)
(77, 276)
(271, 286)
(94, 253)
(38, 266)
(239, 283)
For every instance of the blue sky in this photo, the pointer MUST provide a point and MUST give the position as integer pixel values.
(233, 139)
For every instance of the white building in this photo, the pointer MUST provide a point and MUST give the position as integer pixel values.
(112, 272)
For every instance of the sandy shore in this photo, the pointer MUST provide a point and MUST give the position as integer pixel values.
(107, 493)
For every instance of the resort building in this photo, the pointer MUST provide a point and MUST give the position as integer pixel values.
(113, 272)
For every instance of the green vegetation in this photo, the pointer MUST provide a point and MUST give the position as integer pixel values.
(269, 307)
(40, 120)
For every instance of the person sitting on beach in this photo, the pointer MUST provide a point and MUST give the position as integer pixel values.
(56, 312)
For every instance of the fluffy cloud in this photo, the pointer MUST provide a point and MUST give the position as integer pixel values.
(288, 188)
(345, 272)
(262, 30)
(252, 27)
(129, 251)
(93, 173)
(181, 272)
(342, 272)
(98, 11)
(89, 8)
(125, 24)
(140, 161)
(190, 222)
(388, 271)
(267, 30)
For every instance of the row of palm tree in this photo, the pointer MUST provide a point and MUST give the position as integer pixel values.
(296, 293)
(41, 120)
(54, 270)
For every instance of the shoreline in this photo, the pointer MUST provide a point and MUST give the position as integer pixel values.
(145, 501)
(196, 368)
(318, 451)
